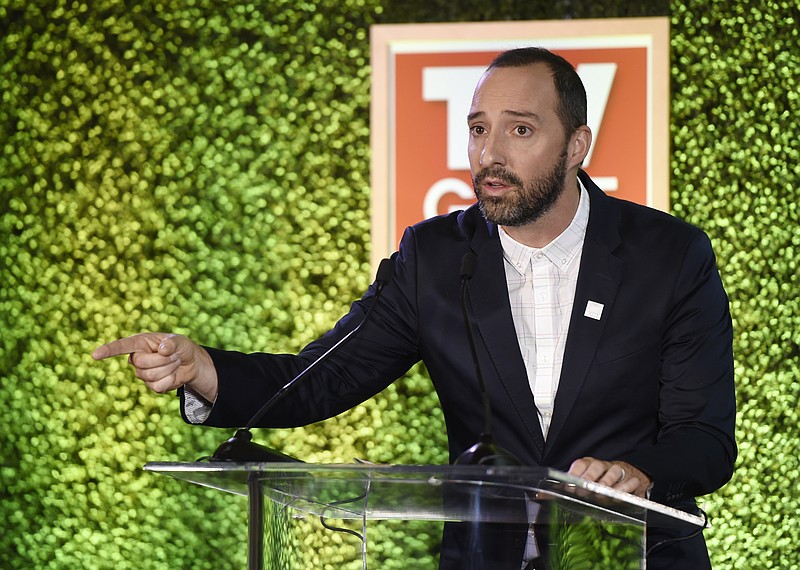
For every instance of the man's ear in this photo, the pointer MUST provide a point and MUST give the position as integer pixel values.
(579, 143)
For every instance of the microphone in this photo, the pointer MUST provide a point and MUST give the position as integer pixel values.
(240, 447)
(484, 452)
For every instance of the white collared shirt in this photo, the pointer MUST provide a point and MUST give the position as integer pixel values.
(541, 288)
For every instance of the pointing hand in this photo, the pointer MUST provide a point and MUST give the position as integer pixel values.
(165, 362)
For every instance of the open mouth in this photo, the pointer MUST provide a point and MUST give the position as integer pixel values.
(495, 186)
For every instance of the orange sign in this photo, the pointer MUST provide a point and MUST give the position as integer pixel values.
(423, 80)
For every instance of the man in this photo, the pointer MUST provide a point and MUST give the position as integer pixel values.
(603, 329)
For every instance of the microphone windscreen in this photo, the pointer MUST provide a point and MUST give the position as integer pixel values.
(468, 263)
(385, 271)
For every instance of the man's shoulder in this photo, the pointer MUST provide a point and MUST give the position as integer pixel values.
(648, 216)
(635, 218)
(639, 232)
(459, 224)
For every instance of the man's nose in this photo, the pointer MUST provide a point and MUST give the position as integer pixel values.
(494, 152)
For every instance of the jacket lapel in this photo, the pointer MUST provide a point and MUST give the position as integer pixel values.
(598, 282)
(492, 310)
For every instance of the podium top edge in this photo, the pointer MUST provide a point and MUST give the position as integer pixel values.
(517, 476)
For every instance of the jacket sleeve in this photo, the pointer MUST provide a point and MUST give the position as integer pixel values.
(694, 450)
(383, 350)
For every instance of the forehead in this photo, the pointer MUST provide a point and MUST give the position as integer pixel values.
(515, 89)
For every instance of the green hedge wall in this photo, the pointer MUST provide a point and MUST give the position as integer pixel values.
(735, 116)
(202, 167)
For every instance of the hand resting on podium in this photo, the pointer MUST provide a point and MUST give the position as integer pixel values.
(618, 475)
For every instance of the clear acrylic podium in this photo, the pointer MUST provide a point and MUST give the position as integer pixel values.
(531, 512)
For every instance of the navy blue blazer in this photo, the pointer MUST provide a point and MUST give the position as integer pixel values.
(650, 382)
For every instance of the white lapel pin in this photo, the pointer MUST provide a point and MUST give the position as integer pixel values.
(593, 310)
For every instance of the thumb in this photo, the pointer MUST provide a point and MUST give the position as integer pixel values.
(177, 345)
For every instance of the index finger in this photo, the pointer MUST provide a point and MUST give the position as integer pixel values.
(145, 342)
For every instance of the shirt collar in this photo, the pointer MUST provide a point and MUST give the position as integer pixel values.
(562, 251)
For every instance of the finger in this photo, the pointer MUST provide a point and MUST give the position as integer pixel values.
(579, 466)
(631, 485)
(613, 475)
(156, 375)
(146, 360)
(145, 342)
(165, 384)
(590, 468)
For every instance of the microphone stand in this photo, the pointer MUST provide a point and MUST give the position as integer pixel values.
(484, 451)
(240, 447)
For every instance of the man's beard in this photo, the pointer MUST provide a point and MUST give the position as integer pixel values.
(525, 202)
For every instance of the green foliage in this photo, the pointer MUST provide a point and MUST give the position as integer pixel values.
(414, 11)
(735, 173)
(198, 169)
(581, 543)
(202, 167)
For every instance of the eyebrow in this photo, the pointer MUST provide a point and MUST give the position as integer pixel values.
(512, 113)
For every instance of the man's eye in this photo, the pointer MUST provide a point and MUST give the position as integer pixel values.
(522, 130)
(477, 130)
